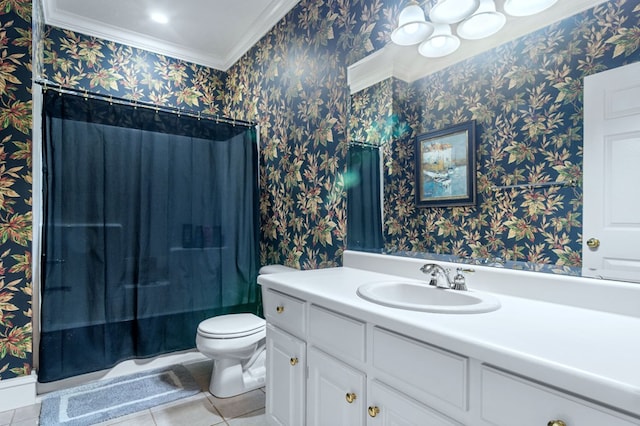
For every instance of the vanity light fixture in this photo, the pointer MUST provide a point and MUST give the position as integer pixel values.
(452, 11)
(471, 19)
(527, 7)
(441, 43)
(412, 26)
(485, 22)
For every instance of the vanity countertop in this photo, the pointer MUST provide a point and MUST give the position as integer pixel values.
(592, 353)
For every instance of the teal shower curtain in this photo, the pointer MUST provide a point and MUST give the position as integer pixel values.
(364, 204)
(151, 226)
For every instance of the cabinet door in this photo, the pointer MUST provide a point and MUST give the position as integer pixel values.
(285, 386)
(388, 407)
(336, 392)
(509, 400)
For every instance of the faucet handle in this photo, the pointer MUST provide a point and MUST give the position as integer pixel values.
(459, 282)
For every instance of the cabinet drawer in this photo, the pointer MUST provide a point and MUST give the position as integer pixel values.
(430, 371)
(285, 311)
(398, 409)
(337, 334)
(511, 400)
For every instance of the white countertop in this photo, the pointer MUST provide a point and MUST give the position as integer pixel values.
(591, 353)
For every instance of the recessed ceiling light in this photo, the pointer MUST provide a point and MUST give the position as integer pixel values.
(159, 17)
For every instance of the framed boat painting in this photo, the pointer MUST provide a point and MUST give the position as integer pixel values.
(446, 167)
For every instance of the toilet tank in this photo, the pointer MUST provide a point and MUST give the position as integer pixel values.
(274, 269)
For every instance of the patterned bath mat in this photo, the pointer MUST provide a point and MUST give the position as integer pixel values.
(106, 399)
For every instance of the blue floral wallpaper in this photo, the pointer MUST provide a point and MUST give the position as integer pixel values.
(293, 82)
(15, 189)
(526, 98)
(98, 66)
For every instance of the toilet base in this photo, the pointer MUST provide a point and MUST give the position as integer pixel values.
(231, 377)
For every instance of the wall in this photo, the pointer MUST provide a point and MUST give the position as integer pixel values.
(526, 98)
(15, 189)
(372, 120)
(293, 82)
(98, 66)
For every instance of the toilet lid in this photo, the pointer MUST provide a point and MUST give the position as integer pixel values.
(231, 325)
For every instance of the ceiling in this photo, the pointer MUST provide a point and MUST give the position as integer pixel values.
(214, 33)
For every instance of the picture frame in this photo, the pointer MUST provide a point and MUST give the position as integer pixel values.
(446, 166)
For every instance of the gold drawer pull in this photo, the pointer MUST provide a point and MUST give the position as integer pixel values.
(374, 411)
(556, 423)
(350, 397)
(293, 361)
(280, 309)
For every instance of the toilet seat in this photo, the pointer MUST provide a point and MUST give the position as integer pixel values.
(231, 326)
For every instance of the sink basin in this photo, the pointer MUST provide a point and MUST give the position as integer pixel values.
(419, 296)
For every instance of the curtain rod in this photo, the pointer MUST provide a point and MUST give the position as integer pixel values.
(366, 144)
(49, 85)
(534, 185)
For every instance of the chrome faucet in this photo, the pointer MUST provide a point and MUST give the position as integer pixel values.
(439, 275)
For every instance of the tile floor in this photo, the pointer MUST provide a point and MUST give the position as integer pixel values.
(202, 409)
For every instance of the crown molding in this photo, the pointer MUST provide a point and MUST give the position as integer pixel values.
(91, 27)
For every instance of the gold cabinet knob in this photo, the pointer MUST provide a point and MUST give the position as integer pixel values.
(280, 309)
(374, 411)
(556, 423)
(593, 243)
(350, 397)
(293, 361)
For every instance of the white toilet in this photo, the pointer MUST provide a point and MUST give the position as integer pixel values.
(236, 343)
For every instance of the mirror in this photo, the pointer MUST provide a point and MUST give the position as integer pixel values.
(526, 98)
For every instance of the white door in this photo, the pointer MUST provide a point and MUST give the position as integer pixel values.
(286, 378)
(335, 392)
(611, 224)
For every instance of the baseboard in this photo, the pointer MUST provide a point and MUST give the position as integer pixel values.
(18, 392)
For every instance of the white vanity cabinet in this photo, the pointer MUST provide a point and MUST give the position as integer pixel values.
(286, 359)
(359, 366)
(335, 388)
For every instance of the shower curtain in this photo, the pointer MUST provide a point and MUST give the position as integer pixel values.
(364, 204)
(151, 226)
